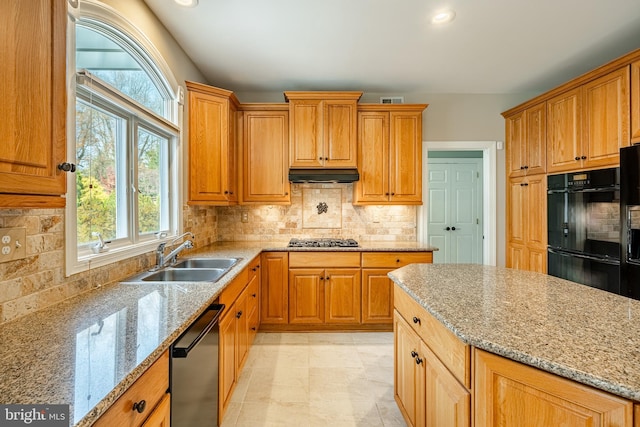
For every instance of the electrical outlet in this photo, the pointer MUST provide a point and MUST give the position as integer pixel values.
(14, 243)
(244, 216)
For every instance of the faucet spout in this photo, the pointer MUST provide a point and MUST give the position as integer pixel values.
(162, 260)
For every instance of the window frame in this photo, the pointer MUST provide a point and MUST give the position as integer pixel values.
(107, 21)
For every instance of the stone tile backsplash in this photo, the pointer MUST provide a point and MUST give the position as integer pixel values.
(38, 281)
(280, 223)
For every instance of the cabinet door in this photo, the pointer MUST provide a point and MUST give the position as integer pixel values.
(635, 102)
(535, 149)
(33, 106)
(517, 257)
(274, 294)
(377, 296)
(342, 295)
(516, 144)
(227, 357)
(242, 330)
(448, 403)
(161, 415)
(340, 135)
(373, 158)
(409, 376)
(210, 157)
(517, 209)
(564, 131)
(306, 295)
(305, 136)
(405, 158)
(508, 393)
(607, 114)
(265, 152)
(536, 211)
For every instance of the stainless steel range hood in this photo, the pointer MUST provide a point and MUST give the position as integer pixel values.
(298, 176)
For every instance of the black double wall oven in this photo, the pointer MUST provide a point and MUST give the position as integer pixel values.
(584, 228)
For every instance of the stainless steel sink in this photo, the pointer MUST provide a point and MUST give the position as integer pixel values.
(186, 275)
(207, 263)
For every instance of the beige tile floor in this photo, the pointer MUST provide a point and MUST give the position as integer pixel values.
(316, 379)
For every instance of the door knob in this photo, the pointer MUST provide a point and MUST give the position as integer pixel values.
(448, 228)
(453, 228)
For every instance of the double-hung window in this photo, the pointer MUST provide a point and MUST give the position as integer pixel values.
(126, 150)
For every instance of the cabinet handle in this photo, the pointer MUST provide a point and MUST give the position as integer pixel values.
(398, 260)
(453, 228)
(67, 167)
(418, 361)
(319, 158)
(326, 158)
(449, 228)
(239, 314)
(414, 354)
(521, 167)
(526, 167)
(386, 194)
(226, 192)
(584, 157)
(139, 406)
(286, 193)
(253, 295)
(577, 158)
(258, 266)
(417, 320)
(327, 278)
(254, 269)
(393, 194)
(253, 329)
(321, 278)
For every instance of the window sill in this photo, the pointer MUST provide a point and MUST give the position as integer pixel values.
(91, 261)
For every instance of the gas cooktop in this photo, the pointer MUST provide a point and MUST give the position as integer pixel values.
(323, 243)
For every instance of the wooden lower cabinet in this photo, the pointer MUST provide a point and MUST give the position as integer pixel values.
(508, 393)
(151, 387)
(319, 295)
(237, 328)
(274, 293)
(426, 392)
(161, 416)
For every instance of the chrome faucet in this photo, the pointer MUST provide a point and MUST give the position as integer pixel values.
(162, 260)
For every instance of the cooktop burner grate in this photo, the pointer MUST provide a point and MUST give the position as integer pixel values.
(323, 243)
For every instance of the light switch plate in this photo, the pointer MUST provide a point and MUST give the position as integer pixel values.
(13, 243)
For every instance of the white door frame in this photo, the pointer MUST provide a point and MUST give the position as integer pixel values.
(489, 188)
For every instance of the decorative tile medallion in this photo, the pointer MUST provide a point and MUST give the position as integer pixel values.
(321, 208)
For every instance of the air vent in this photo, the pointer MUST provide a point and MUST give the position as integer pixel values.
(392, 100)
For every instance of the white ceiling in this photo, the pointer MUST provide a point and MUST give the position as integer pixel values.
(387, 46)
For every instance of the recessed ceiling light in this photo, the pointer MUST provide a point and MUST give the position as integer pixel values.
(443, 16)
(187, 3)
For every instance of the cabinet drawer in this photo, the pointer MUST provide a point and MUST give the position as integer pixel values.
(324, 259)
(254, 268)
(233, 289)
(452, 352)
(394, 259)
(150, 387)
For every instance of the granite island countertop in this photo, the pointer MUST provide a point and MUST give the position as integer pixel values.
(575, 331)
(88, 350)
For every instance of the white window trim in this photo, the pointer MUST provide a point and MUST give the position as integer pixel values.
(91, 9)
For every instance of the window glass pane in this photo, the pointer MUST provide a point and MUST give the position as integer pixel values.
(153, 182)
(98, 134)
(108, 61)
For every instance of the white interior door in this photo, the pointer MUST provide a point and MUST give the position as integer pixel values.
(455, 210)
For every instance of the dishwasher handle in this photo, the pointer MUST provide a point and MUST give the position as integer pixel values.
(182, 351)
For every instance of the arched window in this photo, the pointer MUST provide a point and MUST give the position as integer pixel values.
(125, 143)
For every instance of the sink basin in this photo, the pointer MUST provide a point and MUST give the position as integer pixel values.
(186, 275)
(207, 263)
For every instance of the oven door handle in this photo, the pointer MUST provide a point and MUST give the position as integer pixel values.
(589, 257)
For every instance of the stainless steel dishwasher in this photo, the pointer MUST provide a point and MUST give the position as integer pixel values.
(194, 372)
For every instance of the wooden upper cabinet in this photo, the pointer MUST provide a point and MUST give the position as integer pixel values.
(564, 131)
(265, 164)
(635, 102)
(33, 106)
(389, 154)
(606, 118)
(322, 129)
(212, 145)
(527, 141)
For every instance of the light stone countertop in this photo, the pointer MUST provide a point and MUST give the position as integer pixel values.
(578, 332)
(87, 351)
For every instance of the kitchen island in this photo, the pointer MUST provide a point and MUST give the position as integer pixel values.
(576, 332)
(87, 351)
